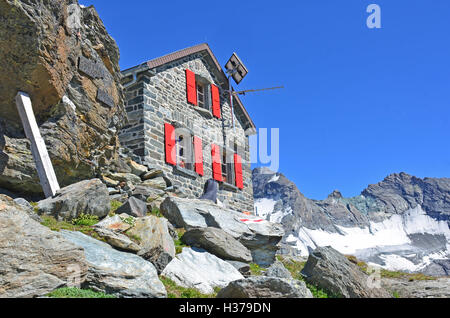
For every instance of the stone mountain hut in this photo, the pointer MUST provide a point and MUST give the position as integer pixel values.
(180, 121)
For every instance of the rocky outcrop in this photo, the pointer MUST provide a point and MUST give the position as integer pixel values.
(156, 243)
(61, 54)
(200, 270)
(259, 236)
(326, 268)
(88, 197)
(117, 273)
(34, 260)
(217, 242)
(406, 288)
(265, 287)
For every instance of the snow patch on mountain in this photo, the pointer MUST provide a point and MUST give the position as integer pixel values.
(378, 241)
(264, 207)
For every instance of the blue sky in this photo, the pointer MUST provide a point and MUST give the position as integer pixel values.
(358, 104)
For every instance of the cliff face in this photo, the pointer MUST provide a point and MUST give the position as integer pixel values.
(61, 54)
(400, 223)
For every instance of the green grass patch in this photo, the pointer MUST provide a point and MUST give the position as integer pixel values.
(175, 291)
(317, 292)
(179, 245)
(155, 212)
(362, 265)
(256, 270)
(77, 293)
(115, 205)
(55, 225)
(402, 275)
(294, 267)
(85, 220)
(395, 294)
(129, 220)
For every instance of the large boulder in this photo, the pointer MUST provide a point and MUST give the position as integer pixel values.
(265, 287)
(88, 197)
(34, 260)
(326, 268)
(133, 207)
(117, 273)
(277, 269)
(156, 243)
(217, 242)
(61, 54)
(259, 236)
(198, 269)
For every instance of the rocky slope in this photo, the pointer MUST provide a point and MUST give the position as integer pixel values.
(61, 54)
(401, 223)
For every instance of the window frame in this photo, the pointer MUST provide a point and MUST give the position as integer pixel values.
(228, 171)
(187, 145)
(206, 85)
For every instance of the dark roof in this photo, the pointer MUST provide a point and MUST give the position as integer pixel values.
(157, 62)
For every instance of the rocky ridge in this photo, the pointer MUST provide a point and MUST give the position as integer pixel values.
(400, 223)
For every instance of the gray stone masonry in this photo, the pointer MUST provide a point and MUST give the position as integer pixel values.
(159, 97)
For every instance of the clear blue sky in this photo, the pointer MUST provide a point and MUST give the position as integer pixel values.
(359, 103)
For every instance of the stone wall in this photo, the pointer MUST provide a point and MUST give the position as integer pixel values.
(159, 97)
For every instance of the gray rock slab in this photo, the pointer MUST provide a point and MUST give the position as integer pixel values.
(217, 242)
(33, 259)
(117, 273)
(198, 269)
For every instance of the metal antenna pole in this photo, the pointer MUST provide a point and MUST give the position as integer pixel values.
(231, 103)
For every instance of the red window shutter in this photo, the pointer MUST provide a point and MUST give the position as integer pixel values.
(171, 152)
(191, 88)
(216, 163)
(238, 171)
(215, 97)
(198, 152)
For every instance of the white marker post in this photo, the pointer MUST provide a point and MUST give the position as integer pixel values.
(44, 166)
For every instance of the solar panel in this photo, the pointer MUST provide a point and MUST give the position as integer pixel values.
(236, 68)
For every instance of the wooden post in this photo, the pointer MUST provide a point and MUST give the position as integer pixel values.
(44, 166)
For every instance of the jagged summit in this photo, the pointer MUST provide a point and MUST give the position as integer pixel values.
(336, 195)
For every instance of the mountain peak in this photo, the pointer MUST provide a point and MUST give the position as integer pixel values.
(336, 195)
(263, 170)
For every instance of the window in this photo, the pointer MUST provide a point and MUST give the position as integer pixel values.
(201, 95)
(184, 143)
(203, 92)
(227, 166)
